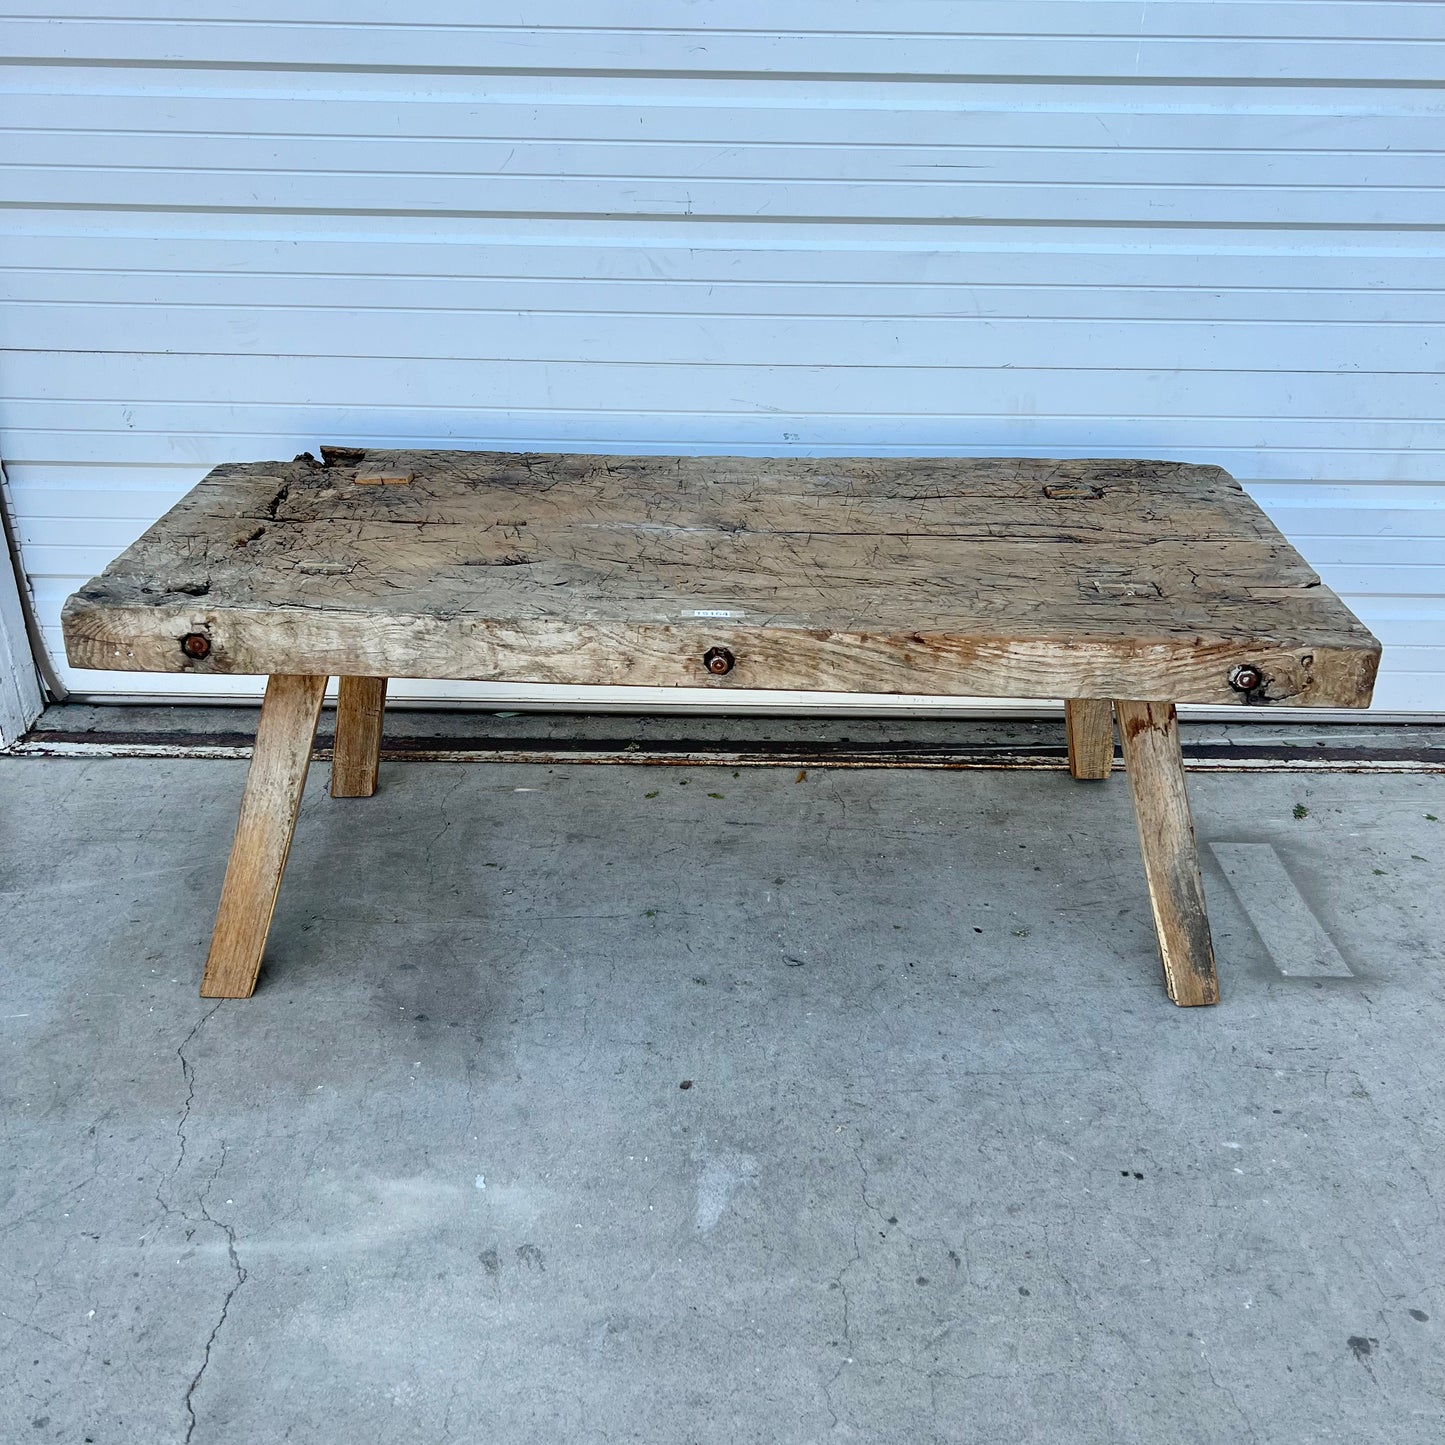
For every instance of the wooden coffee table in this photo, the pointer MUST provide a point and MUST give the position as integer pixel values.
(1124, 587)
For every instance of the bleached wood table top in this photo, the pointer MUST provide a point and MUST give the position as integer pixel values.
(994, 577)
(1124, 587)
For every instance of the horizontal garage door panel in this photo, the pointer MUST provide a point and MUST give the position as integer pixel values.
(1366, 42)
(1046, 19)
(659, 277)
(935, 342)
(1202, 230)
(767, 137)
(372, 383)
(821, 200)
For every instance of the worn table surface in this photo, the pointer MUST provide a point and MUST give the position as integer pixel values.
(992, 577)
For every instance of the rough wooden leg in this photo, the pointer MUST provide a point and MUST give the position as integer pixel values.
(263, 835)
(1090, 723)
(359, 707)
(1150, 733)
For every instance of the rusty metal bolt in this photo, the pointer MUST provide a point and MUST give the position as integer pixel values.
(1246, 679)
(718, 660)
(196, 645)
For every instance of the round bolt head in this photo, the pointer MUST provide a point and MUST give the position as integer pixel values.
(1246, 679)
(196, 644)
(718, 660)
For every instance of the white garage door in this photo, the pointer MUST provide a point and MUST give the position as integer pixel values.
(1207, 231)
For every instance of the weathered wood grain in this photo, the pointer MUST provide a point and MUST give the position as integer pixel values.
(1150, 734)
(274, 785)
(996, 577)
(356, 754)
(378, 476)
(1090, 726)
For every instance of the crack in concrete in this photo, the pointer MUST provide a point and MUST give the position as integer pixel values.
(188, 1074)
(162, 1193)
(229, 1231)
(840, 1279)
(1229, 1394)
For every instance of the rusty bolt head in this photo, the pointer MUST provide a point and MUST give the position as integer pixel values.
(196, 645)
(1246, 679)
(718, 660)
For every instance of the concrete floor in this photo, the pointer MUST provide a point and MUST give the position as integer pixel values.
(647, 1104)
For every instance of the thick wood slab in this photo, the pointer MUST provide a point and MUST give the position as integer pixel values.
(1016, 578)
(1090, 726)
(1150, 733)
(274, 785)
